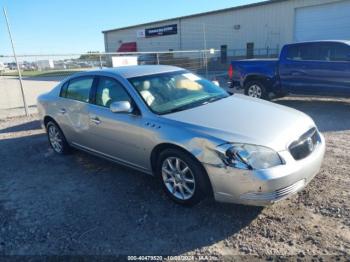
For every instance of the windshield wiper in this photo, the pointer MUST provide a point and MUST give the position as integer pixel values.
(215, 98)
(180, 108)
(194, 104)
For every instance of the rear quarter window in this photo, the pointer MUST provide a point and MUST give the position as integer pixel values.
(64, 89)
(340, 52)
(78, 89)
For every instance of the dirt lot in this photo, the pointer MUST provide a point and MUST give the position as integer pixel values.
(11, 103)
(79, 204)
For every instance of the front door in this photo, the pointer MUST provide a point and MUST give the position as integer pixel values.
(300, 69)
(115, 135)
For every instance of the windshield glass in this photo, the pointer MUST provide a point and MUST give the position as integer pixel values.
(175, 91)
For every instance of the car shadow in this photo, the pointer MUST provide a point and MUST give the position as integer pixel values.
(328, 114)
(82, 204)
(32, 125)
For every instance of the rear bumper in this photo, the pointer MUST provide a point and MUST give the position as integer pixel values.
(264, 187)
(235, 83)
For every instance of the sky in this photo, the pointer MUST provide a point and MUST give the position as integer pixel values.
(75, 26)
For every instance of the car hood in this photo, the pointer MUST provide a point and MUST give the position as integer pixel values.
(243, 119)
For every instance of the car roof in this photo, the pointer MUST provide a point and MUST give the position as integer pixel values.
(322, 41)
(138, 70)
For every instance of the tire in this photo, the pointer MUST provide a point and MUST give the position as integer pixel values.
(255, 89)
(192, 192)
(231, 85)
(57, 139)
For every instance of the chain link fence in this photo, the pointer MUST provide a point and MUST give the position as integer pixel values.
(40, 73)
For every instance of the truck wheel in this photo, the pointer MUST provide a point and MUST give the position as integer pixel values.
(255, 89)
(231, 84)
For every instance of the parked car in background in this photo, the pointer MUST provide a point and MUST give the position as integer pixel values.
(27, 66)
(309, 68)
(147, 59)
(12, 66)
(171, 123)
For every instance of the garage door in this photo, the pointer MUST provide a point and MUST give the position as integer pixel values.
(323, 22)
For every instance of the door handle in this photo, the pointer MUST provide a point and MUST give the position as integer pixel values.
(96, 120)
(63, 111)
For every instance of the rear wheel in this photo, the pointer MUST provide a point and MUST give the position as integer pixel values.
(183, 178)
(255, 89)
(56, 138)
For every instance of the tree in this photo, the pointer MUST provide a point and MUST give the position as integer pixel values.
(91, 55)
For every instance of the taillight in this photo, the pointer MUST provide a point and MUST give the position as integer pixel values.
(230, 72)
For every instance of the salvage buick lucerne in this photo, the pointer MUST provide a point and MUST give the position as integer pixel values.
(195, 137)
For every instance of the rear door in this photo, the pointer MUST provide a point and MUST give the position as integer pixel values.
(338, 76)
(250, 50)
(73, 109)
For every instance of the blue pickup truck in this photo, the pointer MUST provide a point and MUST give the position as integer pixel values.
(311, 68)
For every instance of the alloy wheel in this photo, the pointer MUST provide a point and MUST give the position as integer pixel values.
(255, 91)
(178, 178)
(55, 138)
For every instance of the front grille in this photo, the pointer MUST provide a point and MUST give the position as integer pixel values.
(305, 145)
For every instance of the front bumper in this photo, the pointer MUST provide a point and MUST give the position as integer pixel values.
(264, 187)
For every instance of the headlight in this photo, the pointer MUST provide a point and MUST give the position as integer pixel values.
(247, 156)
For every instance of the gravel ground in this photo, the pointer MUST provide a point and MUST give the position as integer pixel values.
(82, 205)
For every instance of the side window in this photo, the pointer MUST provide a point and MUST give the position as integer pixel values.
(293, 53)
(79, 89)
(109, 91)
(324, 51)
(308, 52)
(340, 52)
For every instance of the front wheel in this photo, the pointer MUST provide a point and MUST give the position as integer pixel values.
(255, 89)
(183, 178)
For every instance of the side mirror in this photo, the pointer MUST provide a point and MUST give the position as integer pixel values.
(121, 107)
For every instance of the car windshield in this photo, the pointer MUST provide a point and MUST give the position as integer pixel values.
(175, 91)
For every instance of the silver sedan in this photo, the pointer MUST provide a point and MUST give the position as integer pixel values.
(195, 137)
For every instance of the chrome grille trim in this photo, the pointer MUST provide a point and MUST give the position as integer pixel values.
(275, 195)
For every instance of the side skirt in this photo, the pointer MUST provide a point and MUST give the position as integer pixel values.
(112, 159)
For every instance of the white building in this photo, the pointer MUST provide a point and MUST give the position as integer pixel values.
(268, 24)
(45, 64)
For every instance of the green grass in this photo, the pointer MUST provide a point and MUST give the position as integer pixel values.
(43, 73)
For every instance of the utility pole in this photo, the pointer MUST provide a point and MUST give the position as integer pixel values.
(205, 51)
(18, 69)
(100, 57)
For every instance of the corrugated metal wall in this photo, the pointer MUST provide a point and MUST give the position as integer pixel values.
(161, 43)
(267, 26)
